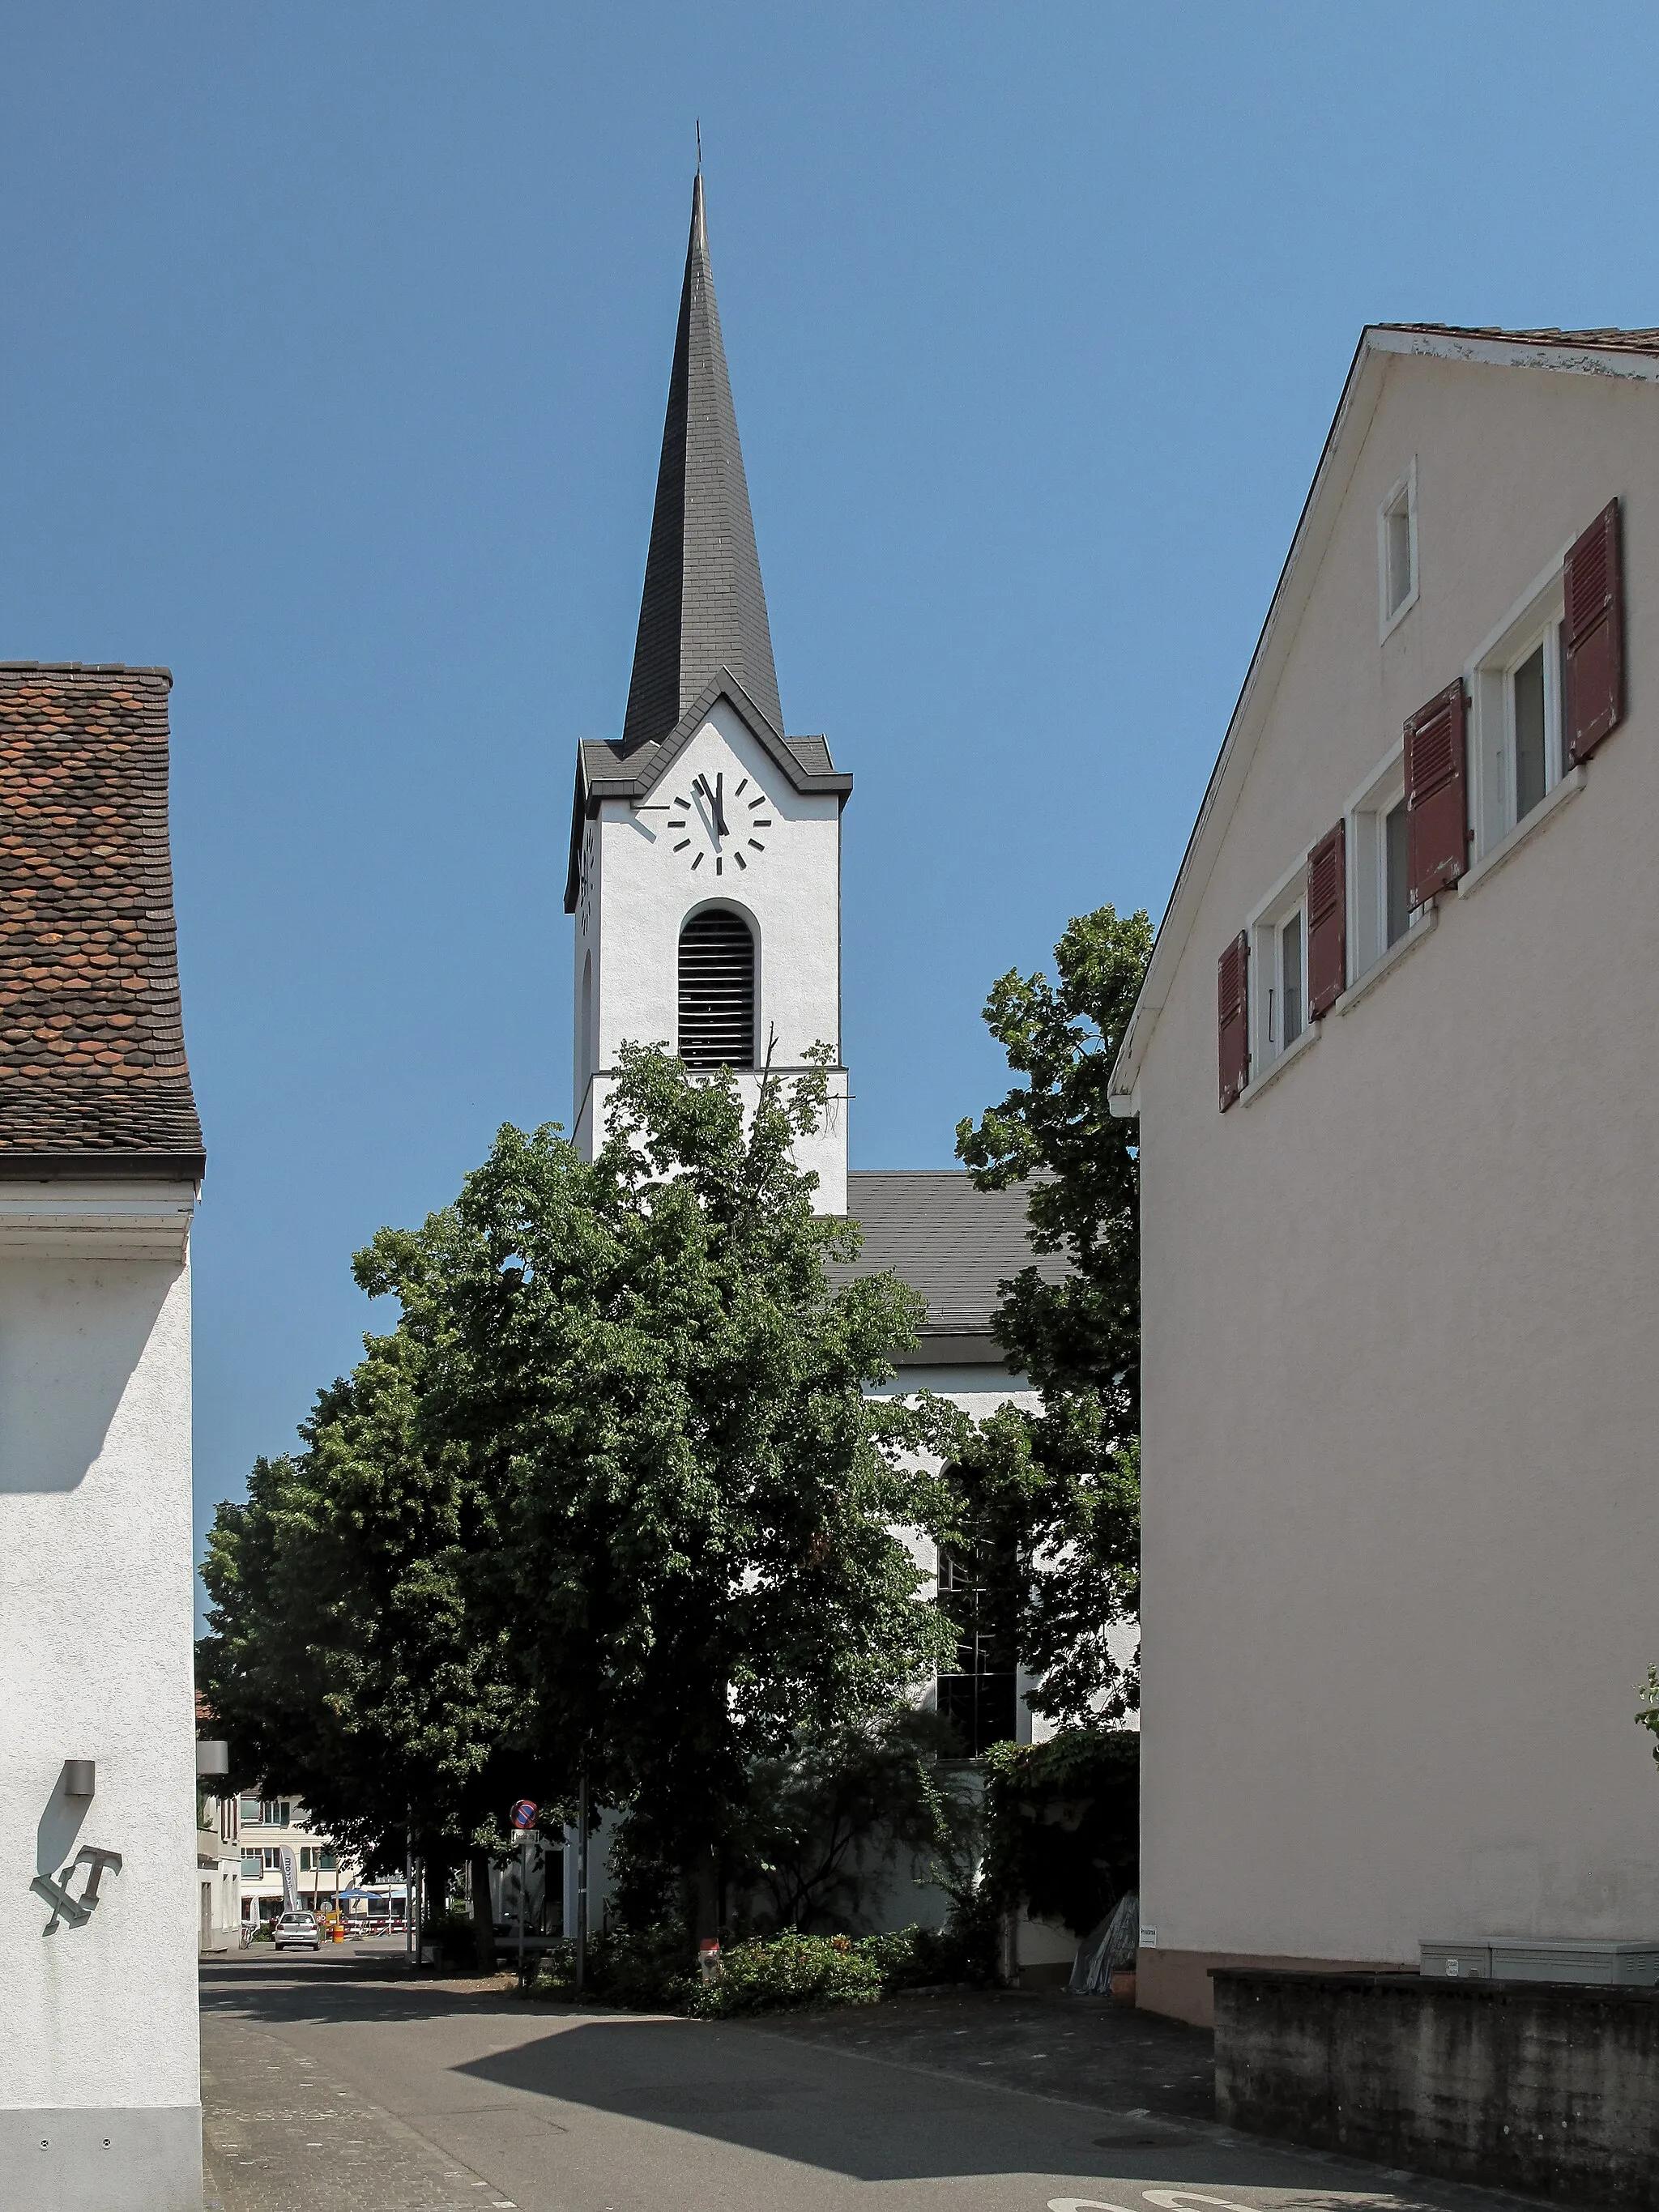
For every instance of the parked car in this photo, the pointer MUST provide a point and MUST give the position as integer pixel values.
(298, 1931)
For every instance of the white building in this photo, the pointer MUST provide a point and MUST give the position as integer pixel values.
(100, 1158)
(218, 1869)
(1394, 1068)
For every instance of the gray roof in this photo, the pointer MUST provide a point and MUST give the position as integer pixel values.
(703, 607)
(950, 1241)
(606, 769)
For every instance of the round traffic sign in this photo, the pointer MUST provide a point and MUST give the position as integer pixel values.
(524, 1814)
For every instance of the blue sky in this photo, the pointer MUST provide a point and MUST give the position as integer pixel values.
(334, 345)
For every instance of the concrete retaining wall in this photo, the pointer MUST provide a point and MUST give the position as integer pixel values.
(1526, 2086)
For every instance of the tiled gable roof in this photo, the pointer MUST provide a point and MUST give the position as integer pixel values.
(954, 1242)
(606, 770)
(1601, 341)
(93, 1073)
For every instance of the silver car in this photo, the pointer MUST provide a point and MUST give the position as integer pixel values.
(299, 1930)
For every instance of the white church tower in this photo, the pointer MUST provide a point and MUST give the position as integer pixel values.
(705, 845)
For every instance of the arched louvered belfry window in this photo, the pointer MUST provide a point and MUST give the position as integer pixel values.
(717, 990)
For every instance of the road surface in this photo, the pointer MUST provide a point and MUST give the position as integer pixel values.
(338, 2085)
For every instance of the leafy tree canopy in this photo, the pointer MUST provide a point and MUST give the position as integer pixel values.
(610, 1495)
(1060, 1490)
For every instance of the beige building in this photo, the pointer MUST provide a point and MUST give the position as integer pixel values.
(1396, 1062)
(268, 1825)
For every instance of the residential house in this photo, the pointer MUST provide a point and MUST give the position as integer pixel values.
(1394, 1066)
(100, 1160)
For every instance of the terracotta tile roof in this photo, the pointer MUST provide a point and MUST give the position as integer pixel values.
(93, 1073)
(1603, 341)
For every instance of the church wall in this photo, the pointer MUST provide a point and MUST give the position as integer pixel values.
(644, 891)
(98, 2034)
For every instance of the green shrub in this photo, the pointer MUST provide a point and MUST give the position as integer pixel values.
(645, 1969)
(787, 1972)
(452, 1932)
(654, 1969)
(1062, 1823)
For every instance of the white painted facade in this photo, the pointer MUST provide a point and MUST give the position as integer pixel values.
(1400, 1397)
(638, 889)
(100, 2100)
(218, 1875)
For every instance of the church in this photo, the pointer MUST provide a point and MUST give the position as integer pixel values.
(705, 881)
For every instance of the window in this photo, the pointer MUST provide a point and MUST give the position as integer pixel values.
(1381, 911)
(1396, 552)
(717, 990)
(978, 1696)
(585, 1022)
(1516, 691)
(265, 1812)
(1278, 957)
(316, 1858)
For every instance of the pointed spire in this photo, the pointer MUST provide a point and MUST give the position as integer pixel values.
(703, 607)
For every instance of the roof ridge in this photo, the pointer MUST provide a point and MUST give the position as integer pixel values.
(85, 668)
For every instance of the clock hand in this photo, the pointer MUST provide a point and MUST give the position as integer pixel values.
(720, 828)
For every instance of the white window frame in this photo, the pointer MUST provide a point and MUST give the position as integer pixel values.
(1365, 818)
(1536, 617)
(1288, 898)
(1401, 499)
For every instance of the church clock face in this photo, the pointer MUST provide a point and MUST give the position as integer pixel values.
(715, 826)
(587, 880)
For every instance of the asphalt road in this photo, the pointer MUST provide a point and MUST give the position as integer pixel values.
(337, 2085)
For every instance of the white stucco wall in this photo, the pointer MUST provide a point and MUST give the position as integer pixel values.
(1400, 1398)
(96, 1611)
(643, 892)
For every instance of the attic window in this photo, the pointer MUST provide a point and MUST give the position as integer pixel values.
(717, 990)
(1396, 551)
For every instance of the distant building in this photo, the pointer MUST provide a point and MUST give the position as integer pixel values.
(270, 1825)
(100, 1160)
(1394, 1062)
(218, 1872)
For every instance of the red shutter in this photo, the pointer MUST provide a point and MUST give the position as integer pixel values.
(1328, 922)
(1437, 813)
(1595, 636)
(1232, 1018)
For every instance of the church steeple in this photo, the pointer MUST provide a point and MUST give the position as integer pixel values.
(703, 607)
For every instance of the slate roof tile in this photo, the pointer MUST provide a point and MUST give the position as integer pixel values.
(946, 1238)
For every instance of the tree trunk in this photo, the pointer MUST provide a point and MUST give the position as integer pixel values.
(484, 1924)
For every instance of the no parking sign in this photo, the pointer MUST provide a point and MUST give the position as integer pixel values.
(523, 1815)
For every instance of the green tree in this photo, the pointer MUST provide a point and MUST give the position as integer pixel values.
(356, 1654)
(1059, 1492)
(825, 1821)
(609, 1500)
(1649, 1716)
(700, 1496)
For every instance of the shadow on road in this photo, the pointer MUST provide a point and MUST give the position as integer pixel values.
(1036, 2100)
